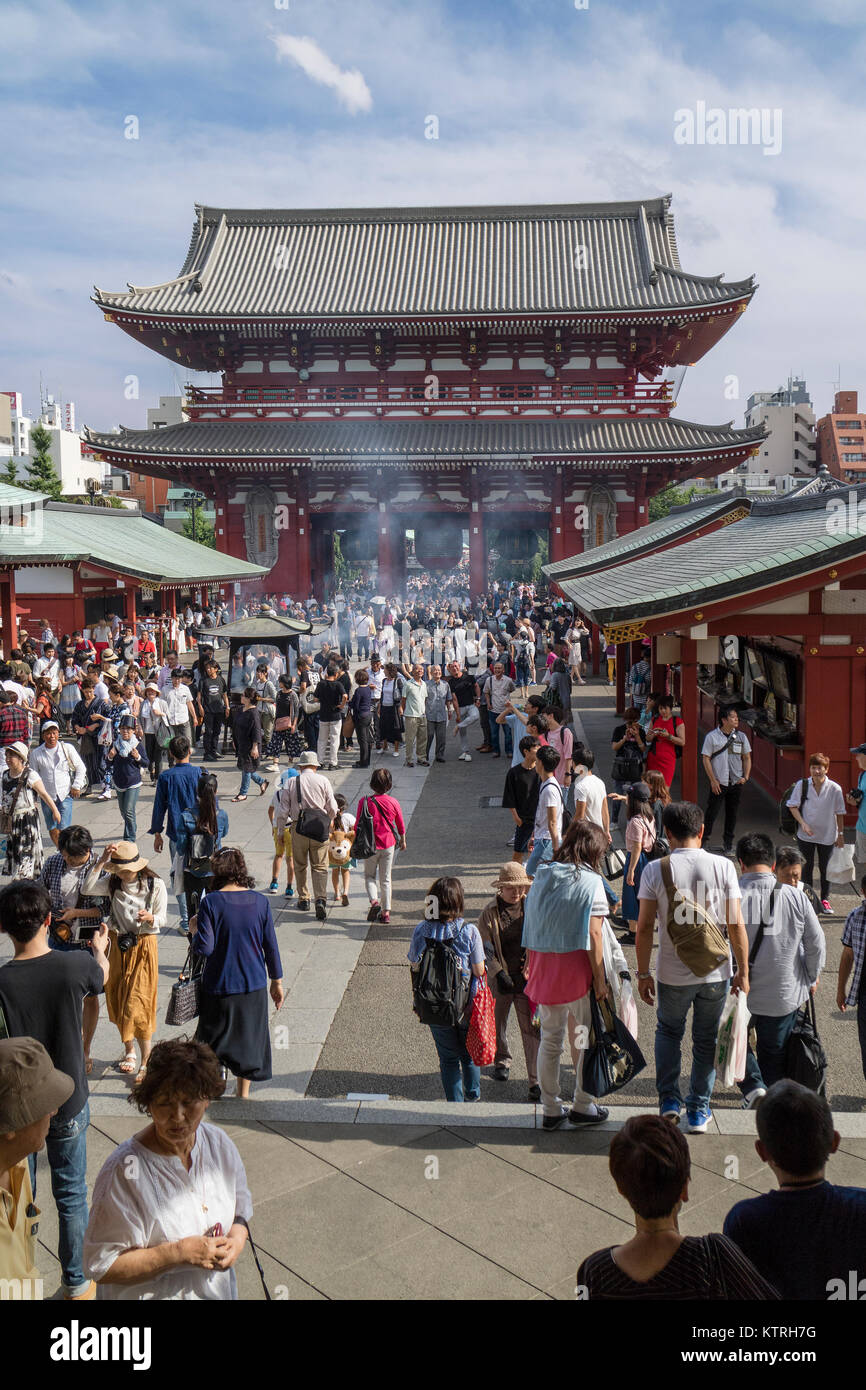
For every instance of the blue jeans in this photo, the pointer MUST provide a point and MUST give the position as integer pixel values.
(66, 1145)
(495, 731)
(542, 850)
(771, 1036)
(126, 800)
(246, 778)
(65, 809)
(460, 1076)
(674, 1002)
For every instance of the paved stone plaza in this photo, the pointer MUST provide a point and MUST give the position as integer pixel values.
(408, 1197)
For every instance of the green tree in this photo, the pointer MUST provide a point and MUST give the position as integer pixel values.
(42, 476)
(10, 472)
(670, 496)
(203, 533)
(344, 573)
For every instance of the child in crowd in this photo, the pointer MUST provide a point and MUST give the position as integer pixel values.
(340, 851)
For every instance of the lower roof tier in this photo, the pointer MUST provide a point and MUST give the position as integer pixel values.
(593, 443)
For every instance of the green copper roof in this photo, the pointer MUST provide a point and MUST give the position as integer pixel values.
(124, 541)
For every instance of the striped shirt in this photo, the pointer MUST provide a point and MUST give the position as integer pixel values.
(854, 935)
(702, 1267)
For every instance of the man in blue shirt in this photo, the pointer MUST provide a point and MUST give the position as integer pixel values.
(860, 847)
(807, 1237)
(175, 790)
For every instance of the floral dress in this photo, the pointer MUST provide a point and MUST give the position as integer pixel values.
(24, 856)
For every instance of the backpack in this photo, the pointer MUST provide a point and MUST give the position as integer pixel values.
(202, 845)
(639, 686)
(695, 935)
(364, 843)
(440, 987)
(787, 824)
(567, 816)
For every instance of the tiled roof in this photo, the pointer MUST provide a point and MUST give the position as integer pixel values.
(314, 263)
(679, 521)
(11, 496)
(777, 540)
(120, 540)
(401, 440)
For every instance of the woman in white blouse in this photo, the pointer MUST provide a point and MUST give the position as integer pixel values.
(171, 1206)
(138, 906)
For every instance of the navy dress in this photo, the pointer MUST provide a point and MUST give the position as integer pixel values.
(237, 940)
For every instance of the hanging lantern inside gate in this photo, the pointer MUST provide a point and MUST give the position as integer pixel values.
(359, 544)
(439, 542)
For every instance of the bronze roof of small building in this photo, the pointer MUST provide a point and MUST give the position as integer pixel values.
(401, 441)
(679, 521)
(776, 541)
(304, 263)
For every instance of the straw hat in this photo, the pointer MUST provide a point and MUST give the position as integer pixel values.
(126, 859)
(512, 875)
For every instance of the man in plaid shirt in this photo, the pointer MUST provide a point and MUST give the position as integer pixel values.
(854, 954)
(14, 720)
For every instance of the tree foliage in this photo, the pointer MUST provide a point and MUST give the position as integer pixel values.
(670, 496)
(204, 532)
(42, 475)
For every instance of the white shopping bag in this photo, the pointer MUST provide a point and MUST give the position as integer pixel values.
(733, 1041)
(840, 868)
(627, 1008)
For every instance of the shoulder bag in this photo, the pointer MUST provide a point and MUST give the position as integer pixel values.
(805, 1058)
(695, 935)
(183, 1004)
(311, 822)
(613, 1058)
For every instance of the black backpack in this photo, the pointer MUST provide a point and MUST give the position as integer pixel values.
(787, 824)
(805, 1058)
(441, 989)
(202, 845)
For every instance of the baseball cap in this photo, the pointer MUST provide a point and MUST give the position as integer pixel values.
(50, 724)
(30, 1084)
(861, 748)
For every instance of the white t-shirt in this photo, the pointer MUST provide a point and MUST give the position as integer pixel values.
(712, 881)
(592, 790)
(728, 766)
(550, 795)
(819, 811)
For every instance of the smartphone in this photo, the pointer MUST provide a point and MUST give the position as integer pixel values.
(87, 933)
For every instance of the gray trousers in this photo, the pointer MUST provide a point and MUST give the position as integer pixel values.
(437, 728)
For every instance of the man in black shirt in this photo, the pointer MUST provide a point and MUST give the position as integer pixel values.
(331, 696)
(42, 991)
(522, 785)
(213, 708)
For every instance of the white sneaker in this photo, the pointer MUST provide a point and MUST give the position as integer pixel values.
(751, 1100)
(396, 755)
(106, 795)
(465, 757)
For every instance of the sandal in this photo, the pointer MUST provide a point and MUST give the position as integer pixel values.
(238, 798)
(141, 1073)
(263, 788)
(127, 1064)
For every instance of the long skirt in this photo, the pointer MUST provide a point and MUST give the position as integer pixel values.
(630, 905)
(390, 724)
(24, 855)
(236, 1027)
(131, 987)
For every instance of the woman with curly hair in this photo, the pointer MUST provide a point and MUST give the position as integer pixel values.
(234, 932)
(171, 1205)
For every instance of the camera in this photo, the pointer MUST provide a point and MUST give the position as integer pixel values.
(856, 795)
(126, 940)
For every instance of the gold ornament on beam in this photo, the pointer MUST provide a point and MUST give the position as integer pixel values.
(625, 632)
(834, 574)
(699, 617)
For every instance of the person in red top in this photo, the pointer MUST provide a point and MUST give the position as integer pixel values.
(665, 734)
(389, 829)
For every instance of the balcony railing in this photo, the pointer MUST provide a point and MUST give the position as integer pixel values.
(431, 398)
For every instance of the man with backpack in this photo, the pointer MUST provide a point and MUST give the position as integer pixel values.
(310, 806)
(691, 894)
(639, 680)
(727, 759)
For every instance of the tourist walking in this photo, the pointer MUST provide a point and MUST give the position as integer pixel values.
(496, 696)
(706, 883)
(361, 711)
(125, 760)
(727, 759)
(520, 797)
(390, 718)
(213, 710)
(640, 678)
(641, 833)
(62, 774)
(331, 695)
(181, 710)
(247, 731)
(176, 789)
(547, 829)
(234, 932)
(153, 718)
(851, 984)
(562, 933)
(42, 992)
(818, 806)
(137, 912)
(20, 790)
(501, 929)
(389, 831)
(285, 738)
(201, 830)
(309, 807)
(444, 922)
(340, 851)
(413, 706)
(145, 1239)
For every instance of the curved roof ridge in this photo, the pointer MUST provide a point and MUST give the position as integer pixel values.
(705, 279)
(656, 207)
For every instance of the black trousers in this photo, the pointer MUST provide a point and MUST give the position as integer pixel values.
(154, 754)
(213, 723)
(730, 796)
(824, 851)
(364, 730)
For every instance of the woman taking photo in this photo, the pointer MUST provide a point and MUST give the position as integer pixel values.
(19, 790)
(389, 830)
(640, 837)
(666, 734)
(461, 1078)
(137, 912)
(390, 720)
(178, 1229)
(247, 730)
(234, 932)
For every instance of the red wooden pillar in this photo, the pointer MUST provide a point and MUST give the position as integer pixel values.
(689, 708)
(303, 569)
(8, 614)
(558, 549)
(622, 670)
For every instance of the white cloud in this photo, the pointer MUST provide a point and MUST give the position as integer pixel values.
(348, 83)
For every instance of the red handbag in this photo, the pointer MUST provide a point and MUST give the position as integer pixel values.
(481, 1037)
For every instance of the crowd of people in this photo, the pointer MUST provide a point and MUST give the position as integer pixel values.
(381, 679)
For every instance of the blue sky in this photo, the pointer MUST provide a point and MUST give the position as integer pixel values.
(323, 102)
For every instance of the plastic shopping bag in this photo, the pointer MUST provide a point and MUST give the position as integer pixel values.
(840, 868)
(627, 1008)
(732, 1043)
(481, 1037)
